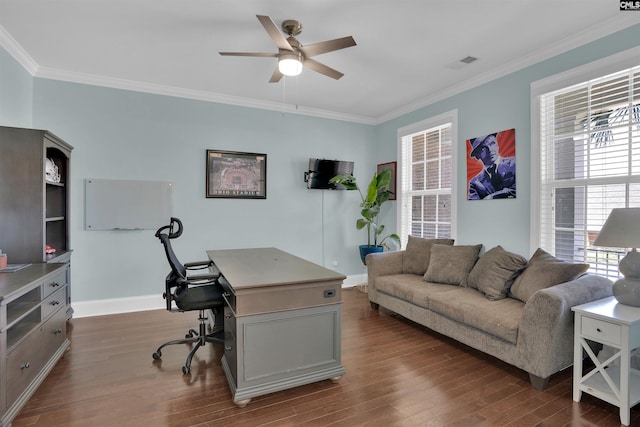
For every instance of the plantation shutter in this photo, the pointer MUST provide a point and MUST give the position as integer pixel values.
(589, 164)
(425, 187)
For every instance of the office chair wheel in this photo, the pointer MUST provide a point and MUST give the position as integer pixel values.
(185, 370)
(157, 355)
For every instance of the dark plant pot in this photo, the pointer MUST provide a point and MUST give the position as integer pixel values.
(366, 250)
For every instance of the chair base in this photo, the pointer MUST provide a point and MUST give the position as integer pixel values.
(200, 338)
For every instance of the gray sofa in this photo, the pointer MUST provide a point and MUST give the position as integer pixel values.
(500, 303)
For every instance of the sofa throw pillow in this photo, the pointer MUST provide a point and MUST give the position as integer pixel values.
(495, 271)
(544, 270)
(418, 252)
(451, 264)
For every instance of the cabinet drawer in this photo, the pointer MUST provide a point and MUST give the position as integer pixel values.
(227, 293)
(27, 360)
(53, 302)
(54, 283)
(230, 341)
(601, 331)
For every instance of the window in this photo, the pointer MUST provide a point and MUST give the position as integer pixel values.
(589, 163)
(426, 153)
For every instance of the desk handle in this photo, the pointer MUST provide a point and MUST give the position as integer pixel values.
(227, 316)
(598, 329)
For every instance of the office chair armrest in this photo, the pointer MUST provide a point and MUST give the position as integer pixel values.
(198, 265)
(198, 279)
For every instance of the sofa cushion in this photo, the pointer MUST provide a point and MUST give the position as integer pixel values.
(451, 264)
(418, 252)
(410, 287)
(403, 286)
(470, 307)
(495, 272)
(544, 270)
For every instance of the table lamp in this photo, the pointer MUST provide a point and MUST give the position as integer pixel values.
(622, 230)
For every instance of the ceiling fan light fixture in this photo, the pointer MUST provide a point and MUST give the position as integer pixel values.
(290, 64)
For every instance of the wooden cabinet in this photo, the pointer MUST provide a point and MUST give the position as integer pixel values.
(35, 302)
(34, 205)
(33, 333)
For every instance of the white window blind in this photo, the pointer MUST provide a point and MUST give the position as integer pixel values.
(425, 195)
(589, 164)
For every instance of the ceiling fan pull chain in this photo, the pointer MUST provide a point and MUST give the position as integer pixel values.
(284, 89)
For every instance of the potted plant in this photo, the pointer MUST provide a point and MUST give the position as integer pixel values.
(377, 194)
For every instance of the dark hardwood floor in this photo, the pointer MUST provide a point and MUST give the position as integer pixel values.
(398, 374)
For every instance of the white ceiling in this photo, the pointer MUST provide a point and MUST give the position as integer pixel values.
(406, 56)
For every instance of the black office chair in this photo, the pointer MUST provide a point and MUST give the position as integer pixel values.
(191, 292)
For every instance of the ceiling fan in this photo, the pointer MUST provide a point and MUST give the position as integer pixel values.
(292, 55)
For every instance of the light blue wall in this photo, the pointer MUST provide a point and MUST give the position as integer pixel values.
(501, 104)
(128, 135)
(16, 93)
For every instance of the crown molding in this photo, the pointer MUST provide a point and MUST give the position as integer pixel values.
(588, 35)
(136, 86)
(17, 52)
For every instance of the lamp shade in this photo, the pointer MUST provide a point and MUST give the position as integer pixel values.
(290, 64)
(621, 230)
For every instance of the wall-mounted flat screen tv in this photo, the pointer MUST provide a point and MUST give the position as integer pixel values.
(322, 170)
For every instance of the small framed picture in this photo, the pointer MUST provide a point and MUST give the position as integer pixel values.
(392, 167)
(236, 175)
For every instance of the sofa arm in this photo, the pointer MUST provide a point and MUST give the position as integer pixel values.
(545, 334)
(382, 264)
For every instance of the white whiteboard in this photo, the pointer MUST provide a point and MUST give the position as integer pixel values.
(127, 205)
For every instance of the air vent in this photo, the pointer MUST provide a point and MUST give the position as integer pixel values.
(468, 60)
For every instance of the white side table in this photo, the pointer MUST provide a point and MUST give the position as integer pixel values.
(606, 321)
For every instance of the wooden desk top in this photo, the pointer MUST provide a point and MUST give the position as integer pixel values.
(259, 267)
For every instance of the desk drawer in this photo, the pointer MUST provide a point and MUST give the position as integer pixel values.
(54, 283)
(601, 331)
(53, 302)
(27, 360)
(230, 342)
(229, 295)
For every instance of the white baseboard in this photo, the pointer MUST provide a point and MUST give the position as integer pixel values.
(151, 302)
(354, 280)
(117, 305)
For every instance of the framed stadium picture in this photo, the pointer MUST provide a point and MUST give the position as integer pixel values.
(237, 175)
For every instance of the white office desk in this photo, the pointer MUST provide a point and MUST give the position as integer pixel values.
(282, 321)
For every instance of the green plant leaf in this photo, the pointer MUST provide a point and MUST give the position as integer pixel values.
(372, 191)
(377, 193)
(361, 223)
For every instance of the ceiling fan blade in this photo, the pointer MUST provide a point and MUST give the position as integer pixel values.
(322, 69)
(260, 54)
(327, 46)
(276, 76)
(274, 32)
